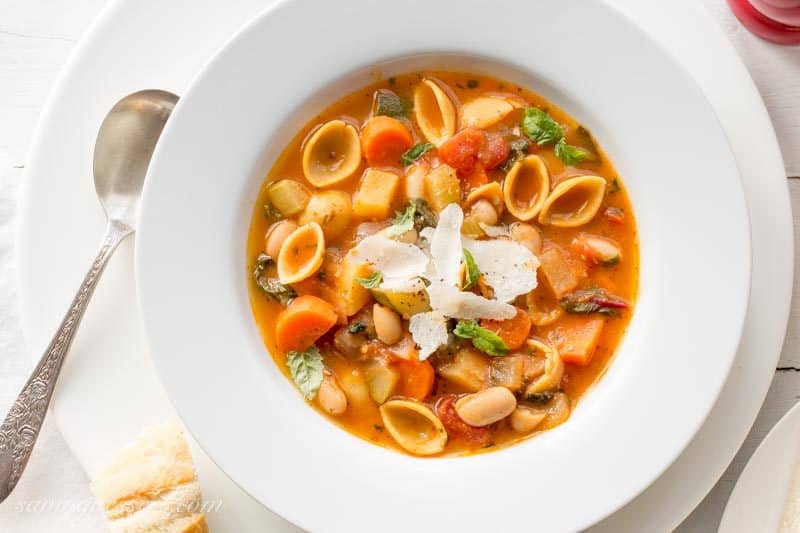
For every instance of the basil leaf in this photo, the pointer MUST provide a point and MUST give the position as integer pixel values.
(371, 282)
(403, 222)
(482, 339)
(389, 104)
(570, 155)
(415, 152)
(306, 369)
(540, 127)
(271, 286)
(473, 274)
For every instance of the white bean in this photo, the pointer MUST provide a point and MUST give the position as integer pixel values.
(276, 234)
(388, 324)
(330, 396)
(527, 236)
(484, 211)
(486, 407)
(525, 420)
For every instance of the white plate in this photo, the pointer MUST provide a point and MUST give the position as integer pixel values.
(233, 122)
(101, 366)
(758, 499)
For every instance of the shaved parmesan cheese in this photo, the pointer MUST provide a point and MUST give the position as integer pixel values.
(454, 303)
(429, 331)
(508, 267)
(395, 260)
(445, 245)
(403, 285)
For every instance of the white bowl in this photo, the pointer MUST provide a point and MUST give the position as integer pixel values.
(301, 55)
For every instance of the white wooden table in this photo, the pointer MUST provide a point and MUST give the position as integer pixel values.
(36, 37)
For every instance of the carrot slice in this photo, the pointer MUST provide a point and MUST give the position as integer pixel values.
(577, 343)
(513, 331)
(384, 140)
(305, 320)
(416, 378)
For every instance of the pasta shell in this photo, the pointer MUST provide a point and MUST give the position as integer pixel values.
(414, 427)
(485, 111)
(302, 253)
(573, 202)
(491, 192)
(434, 111)
(525, 187)
(553, 368)
(332, 154)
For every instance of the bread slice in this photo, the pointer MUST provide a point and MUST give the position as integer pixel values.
(151, 486)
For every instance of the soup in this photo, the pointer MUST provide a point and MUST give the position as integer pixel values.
(443, 263)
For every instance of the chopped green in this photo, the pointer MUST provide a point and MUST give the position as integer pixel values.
(371, 282)
(482, 339)
(473, 274)
(356, 327)
(417, 215)
(614, 186)
(594, 300)
(518, 149)
(389, 104)
(540, 127)
(570, 155)
(271, 213)
(540, 397)
(423, 216)
(403, 222)
(415, 152)
(306, 369)
(271, 286)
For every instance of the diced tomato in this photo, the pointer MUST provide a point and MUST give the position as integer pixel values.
(495, 151)
(513, 331)
(457, 428)
(476, 178)
(416, 378)
(462, 149)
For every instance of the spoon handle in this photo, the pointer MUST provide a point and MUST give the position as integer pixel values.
(22, 424)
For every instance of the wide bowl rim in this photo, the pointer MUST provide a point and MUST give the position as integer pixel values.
(143, 281)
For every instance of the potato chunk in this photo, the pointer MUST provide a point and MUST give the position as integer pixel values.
(558, 271)
(468, 369)
(375, 194)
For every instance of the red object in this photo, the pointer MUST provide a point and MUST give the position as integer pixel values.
(494, 152)
(461, 151)
(475, 179)
(416, 378)
(457, 428)
(777, 21)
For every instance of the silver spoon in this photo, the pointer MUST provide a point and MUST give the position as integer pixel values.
(122, 153)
